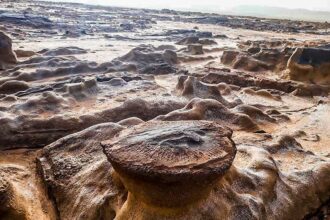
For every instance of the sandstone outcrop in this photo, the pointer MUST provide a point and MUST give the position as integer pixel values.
(7, 55)
(248, 80)
(258, 59)
(177, 166)
(192, 87)
(79, 178)
(147, 60)
(310, 65)
(126, 113)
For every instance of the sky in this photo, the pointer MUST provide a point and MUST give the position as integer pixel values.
(211, 5)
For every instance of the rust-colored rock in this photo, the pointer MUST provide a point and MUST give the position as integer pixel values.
(169, 165)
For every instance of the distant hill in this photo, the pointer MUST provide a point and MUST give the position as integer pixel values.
(278, 12)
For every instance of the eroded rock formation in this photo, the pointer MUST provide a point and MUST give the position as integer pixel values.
(212, 110)
(310, 65)
(147, 60)
(248, 80)
(258, 59)
(177, 166)
(37, 132)
(78, 176)
(112, 113)
(7, 55)
(191, 87)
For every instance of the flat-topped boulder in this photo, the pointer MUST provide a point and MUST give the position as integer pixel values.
(170, 165)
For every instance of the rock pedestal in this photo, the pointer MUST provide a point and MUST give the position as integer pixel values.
(169, 167)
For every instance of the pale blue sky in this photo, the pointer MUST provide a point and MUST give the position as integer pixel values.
(212, 5)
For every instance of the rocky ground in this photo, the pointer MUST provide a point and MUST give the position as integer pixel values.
(143, 114)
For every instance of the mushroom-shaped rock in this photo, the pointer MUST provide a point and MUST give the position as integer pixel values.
(169, 166)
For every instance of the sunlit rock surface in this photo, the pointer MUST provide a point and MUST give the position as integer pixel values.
(178, 164)
(310, 65)
(99, 106)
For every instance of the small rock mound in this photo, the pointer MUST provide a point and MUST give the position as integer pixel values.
(211, 110)
(191, 87)
(46, 102)
(62, 51)
(310, 65)
(285, 143)
(248, 80)
(254, 112)
(31, 132)
(188, 40)
(7, 55)
(195, 49)
(13, 86)
(257, 59)
(196, 40)
(147, 59)
(24, 53)
(81, 90)
(262, 93)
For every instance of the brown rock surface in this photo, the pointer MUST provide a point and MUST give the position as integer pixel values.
(212, 110)
(248, 80)
(78, 176)
(192, 87)
(310, 65)
(195, 49)
(7, 55)
(38, 132)
(258, 59)
(177, 164)
(22, 193)
(86, 74)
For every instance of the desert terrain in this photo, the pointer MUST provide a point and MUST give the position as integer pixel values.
(121, 113)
